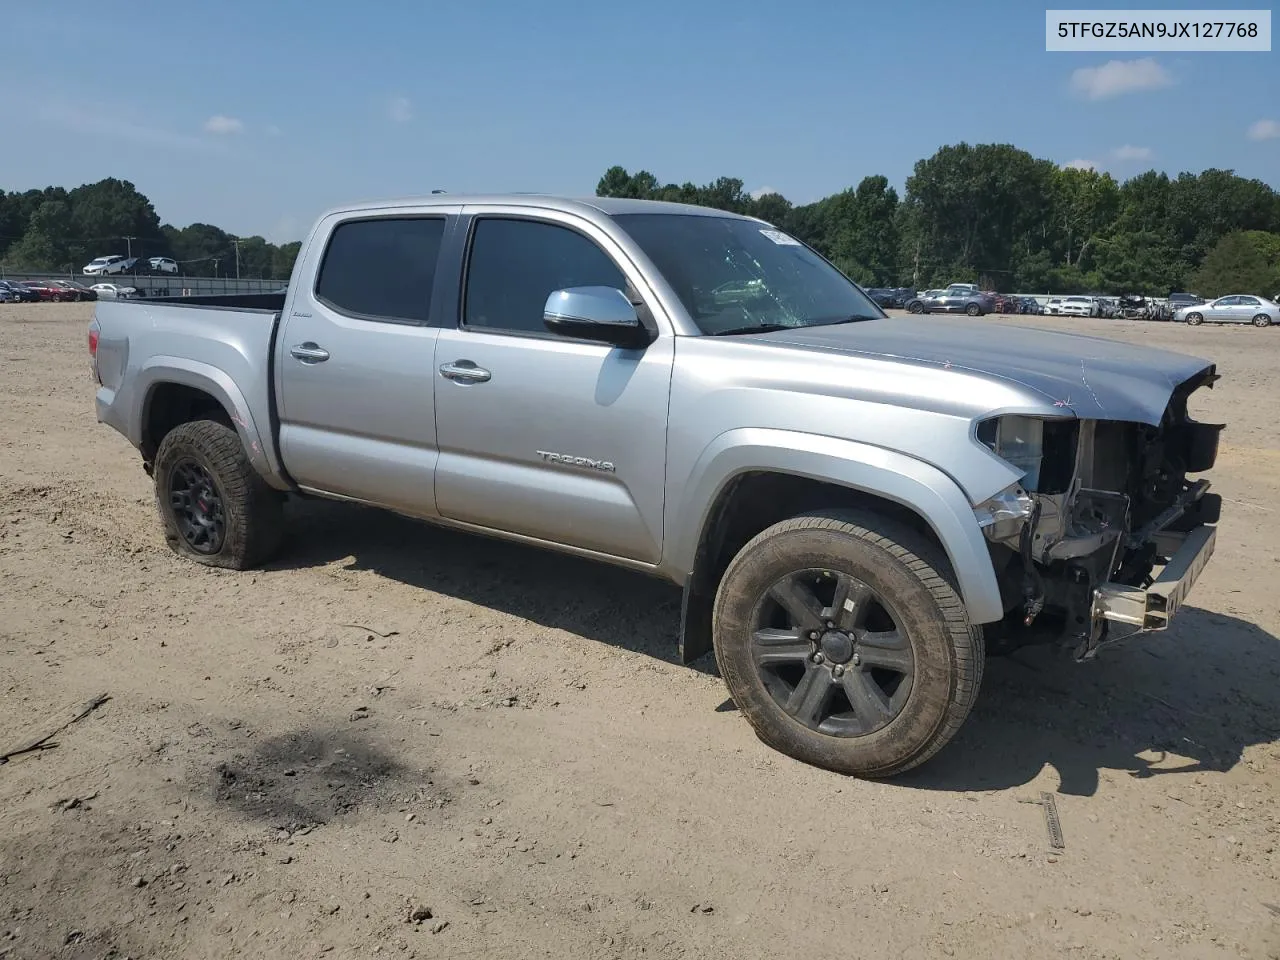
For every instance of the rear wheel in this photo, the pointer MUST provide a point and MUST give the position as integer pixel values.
(1262, 320)
(915, 307)
(214, 506)
(845, 645)
(973, 309)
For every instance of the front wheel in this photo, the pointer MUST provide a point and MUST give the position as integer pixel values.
(1262, 320)
(215, 508)
(845, 644)
(1194, 319)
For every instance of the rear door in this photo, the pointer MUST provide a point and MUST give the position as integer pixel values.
(1249, 308)
(354, 360)
(556, 439)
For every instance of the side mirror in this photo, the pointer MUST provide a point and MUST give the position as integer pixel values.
(603, 314)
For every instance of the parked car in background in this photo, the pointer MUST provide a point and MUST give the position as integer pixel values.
(46, 290)
(112, 291)
(1236, 308)
(892, 297)
(163, 265)
(1179, 300)
(1108, 307)
(955, 299)
(74, 291)
(1029, 305)
(105, 266)
(19, 292)
(1076, 307)
(1053, 305)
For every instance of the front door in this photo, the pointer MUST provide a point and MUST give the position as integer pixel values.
(354, 363)
(539, 435)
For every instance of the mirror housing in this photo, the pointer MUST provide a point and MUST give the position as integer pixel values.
(602, 314)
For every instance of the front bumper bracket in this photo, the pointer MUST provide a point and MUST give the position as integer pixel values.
(1154, 607)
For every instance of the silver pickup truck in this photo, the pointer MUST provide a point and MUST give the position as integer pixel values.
(858, 507)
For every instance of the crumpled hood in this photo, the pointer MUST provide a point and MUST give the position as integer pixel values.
(1093, 377)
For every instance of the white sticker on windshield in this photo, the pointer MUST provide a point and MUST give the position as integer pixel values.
(778, 237)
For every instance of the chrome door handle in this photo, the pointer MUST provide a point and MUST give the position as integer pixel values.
(309, 352)
(464, 371)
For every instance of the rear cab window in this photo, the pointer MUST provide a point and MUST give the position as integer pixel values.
(381, 268)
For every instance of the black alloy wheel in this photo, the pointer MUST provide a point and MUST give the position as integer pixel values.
(197, 506)
(829, 651)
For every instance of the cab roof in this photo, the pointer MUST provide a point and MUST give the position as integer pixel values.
(609, 206)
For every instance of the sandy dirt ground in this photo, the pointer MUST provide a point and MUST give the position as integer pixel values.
(406, 742)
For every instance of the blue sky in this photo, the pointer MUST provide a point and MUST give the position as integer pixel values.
(254, 116)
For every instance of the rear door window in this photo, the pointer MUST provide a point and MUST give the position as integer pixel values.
(381, 268)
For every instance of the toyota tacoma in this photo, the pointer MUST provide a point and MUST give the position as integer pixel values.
(857, 507)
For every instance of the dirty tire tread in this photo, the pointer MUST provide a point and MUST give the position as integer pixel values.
(255, 514)
(929, 566)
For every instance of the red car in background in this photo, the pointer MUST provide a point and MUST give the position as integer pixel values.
(46, 290)
(74, 291)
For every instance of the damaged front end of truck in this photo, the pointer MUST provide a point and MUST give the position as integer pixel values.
(1108, 525)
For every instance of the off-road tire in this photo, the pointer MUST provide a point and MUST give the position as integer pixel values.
(253, 511)
(902, 567)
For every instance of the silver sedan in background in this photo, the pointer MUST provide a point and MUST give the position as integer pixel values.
(1237, 308)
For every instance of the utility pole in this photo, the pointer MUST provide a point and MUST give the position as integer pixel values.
(236, 241)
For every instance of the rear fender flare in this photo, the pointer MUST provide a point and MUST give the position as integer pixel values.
(161, 370)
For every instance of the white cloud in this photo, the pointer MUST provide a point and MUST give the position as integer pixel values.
(223, 125)
(1080, 165)
(762, 192)
(1129, 152)
(1117, 77)
(1265, 130)
(400, 110)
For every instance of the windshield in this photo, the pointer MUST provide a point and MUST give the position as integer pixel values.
(733, 275)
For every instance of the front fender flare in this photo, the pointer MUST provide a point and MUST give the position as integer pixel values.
(916, 485)
(218, 384)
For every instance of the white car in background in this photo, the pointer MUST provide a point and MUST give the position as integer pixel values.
(1077, 307)
(1053, 306)
(114, 291)
(163, 265)
(102, 266)
(1236, 308)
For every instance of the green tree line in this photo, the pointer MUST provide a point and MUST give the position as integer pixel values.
(59, 230)
(997, 216)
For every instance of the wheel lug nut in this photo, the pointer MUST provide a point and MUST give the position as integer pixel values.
(813, 634)
(838, 670)
(819, 658)
(856, 660)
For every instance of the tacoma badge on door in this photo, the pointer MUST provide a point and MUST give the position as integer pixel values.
(602, 465)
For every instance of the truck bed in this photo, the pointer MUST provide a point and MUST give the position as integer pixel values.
(154, 357)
